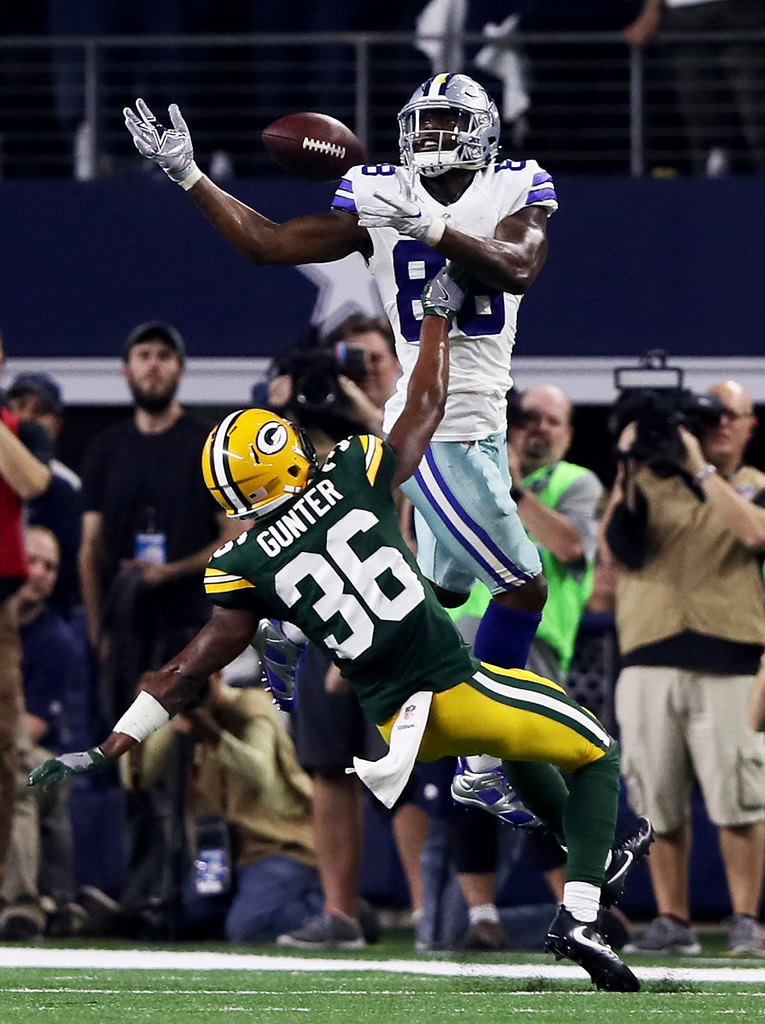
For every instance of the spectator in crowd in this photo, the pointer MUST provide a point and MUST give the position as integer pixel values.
(24, 475)
(37, 397)
(39, 887)
(148, 529)
(709, 75)
(582, 91)
(340, 384)
(689, 531)
(52, 662)
(326, 556)
(330, 730)
(557, 502)
(373, 336)
(328, 724)
(254, 865)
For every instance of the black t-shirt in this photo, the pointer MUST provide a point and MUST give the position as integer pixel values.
(131, 477)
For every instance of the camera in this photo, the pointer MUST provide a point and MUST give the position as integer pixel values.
(315, 373)
(317, 400)
(652, 396)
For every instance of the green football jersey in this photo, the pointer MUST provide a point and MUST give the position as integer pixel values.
(334, 563)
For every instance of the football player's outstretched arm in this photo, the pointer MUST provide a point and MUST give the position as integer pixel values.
(317, 238)
(410, 435)
(509, 261)
(314, 239)
(161, 694)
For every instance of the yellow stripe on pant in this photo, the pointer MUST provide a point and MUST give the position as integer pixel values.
(512, 714)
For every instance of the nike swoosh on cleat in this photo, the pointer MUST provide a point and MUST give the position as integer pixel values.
(630, 857)
(578, 933)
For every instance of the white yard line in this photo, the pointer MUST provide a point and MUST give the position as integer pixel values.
(166, 960)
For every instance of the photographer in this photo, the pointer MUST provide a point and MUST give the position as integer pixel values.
(253, 873)
(689, 531)
(340, 386)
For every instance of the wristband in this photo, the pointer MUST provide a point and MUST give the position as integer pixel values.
(144, 716)
(435, 231)
(191, 178)
(704, 473)
(516, 493)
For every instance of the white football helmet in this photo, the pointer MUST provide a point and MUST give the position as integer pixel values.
(471, 143)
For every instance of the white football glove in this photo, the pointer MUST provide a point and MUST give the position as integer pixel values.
(171, 148)
(405, 215)
(444, 294)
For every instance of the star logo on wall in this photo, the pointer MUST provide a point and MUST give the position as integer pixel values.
(345, 287)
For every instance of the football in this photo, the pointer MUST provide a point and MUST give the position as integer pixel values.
(314, 146)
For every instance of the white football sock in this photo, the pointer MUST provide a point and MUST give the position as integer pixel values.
(582, 899)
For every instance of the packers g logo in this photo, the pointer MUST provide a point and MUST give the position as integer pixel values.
(272, 437)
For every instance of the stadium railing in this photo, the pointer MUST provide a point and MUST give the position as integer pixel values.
(579, 102)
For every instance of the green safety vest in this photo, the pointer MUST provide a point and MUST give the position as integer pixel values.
(567, 595)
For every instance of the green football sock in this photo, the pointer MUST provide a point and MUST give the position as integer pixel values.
(589, 819)
(543, 791)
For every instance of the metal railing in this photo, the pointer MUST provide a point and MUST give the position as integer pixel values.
(595, 104)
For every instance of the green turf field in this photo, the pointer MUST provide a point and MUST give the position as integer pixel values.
(120, 984)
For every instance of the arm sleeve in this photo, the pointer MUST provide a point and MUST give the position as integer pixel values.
(350, 193)
(579, 504)
(627, 532)
(542, 190)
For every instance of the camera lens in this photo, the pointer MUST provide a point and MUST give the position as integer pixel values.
(352, 361)
(316, 390)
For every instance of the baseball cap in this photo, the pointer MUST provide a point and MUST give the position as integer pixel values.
(43, 386)
(155, 329)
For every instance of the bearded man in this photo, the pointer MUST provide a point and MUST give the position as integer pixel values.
(149, 526)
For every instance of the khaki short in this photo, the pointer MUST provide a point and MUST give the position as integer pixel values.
(678, 727)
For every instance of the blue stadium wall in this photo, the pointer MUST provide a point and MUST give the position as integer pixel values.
(634, 264)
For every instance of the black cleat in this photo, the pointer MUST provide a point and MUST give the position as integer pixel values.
(624, 856)
(582, 942)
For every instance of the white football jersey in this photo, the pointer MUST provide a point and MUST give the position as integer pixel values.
(483, 336)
